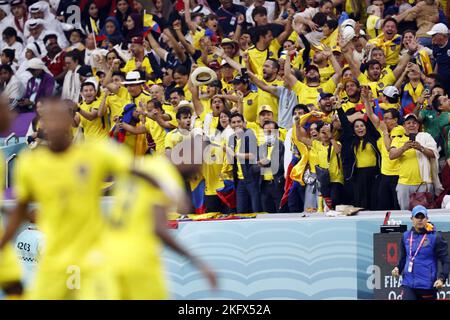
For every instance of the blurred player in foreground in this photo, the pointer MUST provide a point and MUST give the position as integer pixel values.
(130, 258)
(65, 180)
(10, 273)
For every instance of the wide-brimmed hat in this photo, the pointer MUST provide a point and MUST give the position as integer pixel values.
(203, 76)
(133, 77)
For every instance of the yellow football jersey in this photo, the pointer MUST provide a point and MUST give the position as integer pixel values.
(67, 186)
(97, 129)
(9, 265)
(130, 248)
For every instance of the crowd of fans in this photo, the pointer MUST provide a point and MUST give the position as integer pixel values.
(315, 103)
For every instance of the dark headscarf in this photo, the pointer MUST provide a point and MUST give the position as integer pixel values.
(117, 35)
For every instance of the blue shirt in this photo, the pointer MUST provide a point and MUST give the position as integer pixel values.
(227, 18)
(442, 57)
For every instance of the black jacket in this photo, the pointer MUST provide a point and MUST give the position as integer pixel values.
(348, 140)
(250, 168)
(277, 156)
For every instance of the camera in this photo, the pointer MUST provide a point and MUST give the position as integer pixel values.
(412, 136)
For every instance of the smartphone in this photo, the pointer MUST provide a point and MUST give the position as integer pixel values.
(412, 136)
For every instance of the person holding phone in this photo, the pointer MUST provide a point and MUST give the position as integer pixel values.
(418, 155)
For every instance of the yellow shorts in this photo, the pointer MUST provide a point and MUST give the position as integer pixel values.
(132, 285)
(64, 284)
(10, 270)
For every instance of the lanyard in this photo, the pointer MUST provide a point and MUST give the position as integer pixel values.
(418, 248)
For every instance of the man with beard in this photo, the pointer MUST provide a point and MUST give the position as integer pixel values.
(270, 72)
(353, 91)
(378, 74)
(54, 60)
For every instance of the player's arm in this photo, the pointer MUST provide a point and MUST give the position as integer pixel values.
(16, 219)
(163, 233)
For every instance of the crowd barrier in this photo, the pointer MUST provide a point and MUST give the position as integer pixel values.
(285, 256)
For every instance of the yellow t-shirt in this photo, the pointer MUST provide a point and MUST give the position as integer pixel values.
(250, 105)
(9, 265)
(115, 105)
(326, 73)
(391, 48)
(349, 105)
(265, 98)
(267, 173)
(173, 138)
(131, 65)
(334, 166)
(142, 99)
(257, 57)
(97, 129)
(365, 158)
(158, 134)
(211, 169)
(388, 167)
(67, 186)
(130, 243)
(240, 174)
(373, 25)
(409, 172)
(387, 78)
(309, 95)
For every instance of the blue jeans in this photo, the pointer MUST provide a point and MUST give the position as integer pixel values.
(296, 199)
(248, 193)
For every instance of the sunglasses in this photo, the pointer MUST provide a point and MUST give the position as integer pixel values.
(398, 136)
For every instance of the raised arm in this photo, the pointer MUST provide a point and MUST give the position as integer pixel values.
(366, 95)
(189, 47)
(261, 84)
(287, 28)
(102, 108)
(179, 52)
(162, 53)
(289, 78)
(187, 16)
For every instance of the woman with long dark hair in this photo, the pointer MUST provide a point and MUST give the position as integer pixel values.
(134, 26)
(90, 18)
(361, 160)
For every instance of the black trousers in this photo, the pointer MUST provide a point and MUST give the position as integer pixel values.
(271, 194)
(214, 204)
(418, 294)
(365, 188)
(336, 193)
(387, 195)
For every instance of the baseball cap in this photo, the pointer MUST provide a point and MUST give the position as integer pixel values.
(85, 71)
(239, 79)
(264, 107)
(324, 95)
(391, 92)
(398, 131)
(438, 28)
(214, 65)
(409, 116)
(310, 67)
(215, 84)
(419, 210)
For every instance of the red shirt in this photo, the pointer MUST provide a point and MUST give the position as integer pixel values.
(55, 65)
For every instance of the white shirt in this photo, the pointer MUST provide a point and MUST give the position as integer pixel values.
(15, 89)
(270, 6)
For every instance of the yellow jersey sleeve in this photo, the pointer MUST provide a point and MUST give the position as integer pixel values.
(116, 158)
(23, 188)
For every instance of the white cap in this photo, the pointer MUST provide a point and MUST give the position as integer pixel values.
(36, 64)
(438, 28)
(185, 103)
(348, 22)
(391, 91)
(4, 5)
(348, 33)
(93, 81)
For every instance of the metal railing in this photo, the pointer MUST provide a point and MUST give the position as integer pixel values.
(8, 160)
(11, 136)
